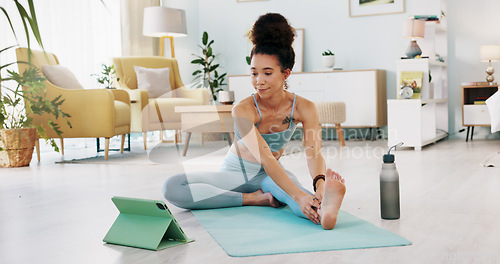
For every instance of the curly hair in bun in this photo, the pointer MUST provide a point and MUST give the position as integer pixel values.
(272, 35)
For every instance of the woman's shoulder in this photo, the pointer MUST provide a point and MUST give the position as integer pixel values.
(303, 103)
(245, 106)
(304, 109)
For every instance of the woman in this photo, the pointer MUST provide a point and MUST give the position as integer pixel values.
(264, 123)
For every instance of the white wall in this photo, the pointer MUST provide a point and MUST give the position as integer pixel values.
(371, 42)
(471, 24)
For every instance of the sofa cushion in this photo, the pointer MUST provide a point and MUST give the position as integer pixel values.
(155, 80)
(61, 76)
(494, 108)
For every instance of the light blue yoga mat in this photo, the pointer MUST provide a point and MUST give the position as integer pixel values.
(257, 230)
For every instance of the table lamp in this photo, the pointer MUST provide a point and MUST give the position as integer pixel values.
(163, 22)
(414, 29)
(490, 53)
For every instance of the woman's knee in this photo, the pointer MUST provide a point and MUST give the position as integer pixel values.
(174, 190)
(268, 185)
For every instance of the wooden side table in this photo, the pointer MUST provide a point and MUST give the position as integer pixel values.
(206, 119)
(474, 111)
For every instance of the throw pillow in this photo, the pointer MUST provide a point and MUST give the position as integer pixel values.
(155, 80)
(61, 76)
(494, 108)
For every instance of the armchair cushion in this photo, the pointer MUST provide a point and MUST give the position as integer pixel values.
(61, 76)
(122, 114)
(154, 80)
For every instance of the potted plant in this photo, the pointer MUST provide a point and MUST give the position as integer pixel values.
(17, 106)
(328, 59)
(22, 99)
(208, 76)
(107, 76)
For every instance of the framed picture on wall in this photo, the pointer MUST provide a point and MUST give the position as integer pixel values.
(298, 47)
(375, 7)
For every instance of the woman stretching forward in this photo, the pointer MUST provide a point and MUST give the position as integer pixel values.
(264, 123)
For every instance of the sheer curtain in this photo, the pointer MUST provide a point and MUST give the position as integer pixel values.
(83, 34)
(133, 42)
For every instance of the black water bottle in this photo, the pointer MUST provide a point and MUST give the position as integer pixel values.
(389, 187)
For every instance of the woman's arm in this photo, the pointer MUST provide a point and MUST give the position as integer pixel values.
(244, 117)
(312, 143)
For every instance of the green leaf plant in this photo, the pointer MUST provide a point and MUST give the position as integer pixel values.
(107, 76)
(26, 93)
(327, 53)
(208, 76)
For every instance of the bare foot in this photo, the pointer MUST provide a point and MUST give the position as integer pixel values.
(334, 190)
(259, 198)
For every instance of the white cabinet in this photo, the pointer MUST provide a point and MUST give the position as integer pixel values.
(417, 122)
(363, 92)
(474, 111)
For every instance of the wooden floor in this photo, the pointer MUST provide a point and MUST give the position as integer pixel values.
(450, 206)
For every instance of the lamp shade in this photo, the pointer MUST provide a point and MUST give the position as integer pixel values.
(490, 52)
(414, 28)
(162, 21)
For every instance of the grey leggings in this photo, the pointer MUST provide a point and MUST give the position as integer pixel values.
(224, 188)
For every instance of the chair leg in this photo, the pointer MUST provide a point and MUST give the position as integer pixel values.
(106, 148)
(340, 135)
(178, 137)
(37, 147)
(145, 139)
(122, 143)
(62, 146)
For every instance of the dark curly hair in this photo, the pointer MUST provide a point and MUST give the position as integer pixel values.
(272, 35)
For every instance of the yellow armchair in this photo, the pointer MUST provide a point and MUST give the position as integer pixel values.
(152, 114)
(94, 112)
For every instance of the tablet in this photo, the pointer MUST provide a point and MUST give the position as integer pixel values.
(144, 223)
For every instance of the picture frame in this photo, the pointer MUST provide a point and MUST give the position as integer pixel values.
(359, 8)
(298, 47)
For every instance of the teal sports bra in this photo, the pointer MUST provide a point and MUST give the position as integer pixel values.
(276, 141)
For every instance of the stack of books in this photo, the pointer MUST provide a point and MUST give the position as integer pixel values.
(480, 100)
(426, 17)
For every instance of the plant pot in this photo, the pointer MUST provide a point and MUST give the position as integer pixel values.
(17, 147)
(328, 61)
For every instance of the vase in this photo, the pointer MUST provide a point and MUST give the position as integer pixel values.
(328, 61)
(17, 146)
(226, 97)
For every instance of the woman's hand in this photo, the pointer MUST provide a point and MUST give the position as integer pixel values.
(309, 206)
(320, 190)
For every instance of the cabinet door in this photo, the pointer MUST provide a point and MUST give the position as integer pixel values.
(358, 91)
(308, 85)
(404, 122)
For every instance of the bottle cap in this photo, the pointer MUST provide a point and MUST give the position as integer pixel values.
(388, 158)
